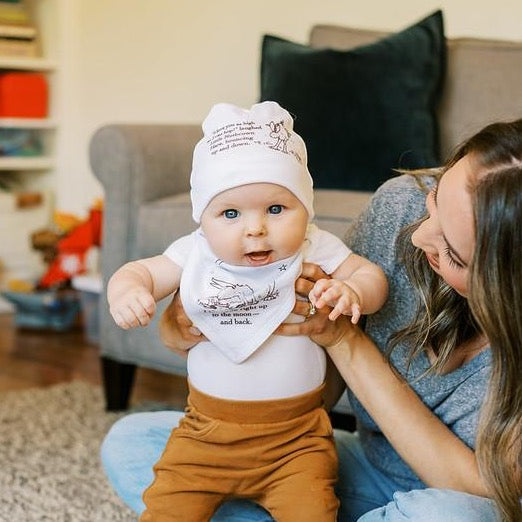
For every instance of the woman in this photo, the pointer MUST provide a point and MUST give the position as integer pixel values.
(426, 448)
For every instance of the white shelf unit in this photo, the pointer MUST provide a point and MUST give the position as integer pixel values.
(28, 173)
(44, 14)
(18, 163)
(27, 123)
(27, 64)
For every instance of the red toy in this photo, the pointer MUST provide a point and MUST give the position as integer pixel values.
(72, 250)
(23, 95)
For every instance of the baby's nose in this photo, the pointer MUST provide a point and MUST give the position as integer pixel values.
(256, 227)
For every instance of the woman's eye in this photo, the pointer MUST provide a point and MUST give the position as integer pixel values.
(231, 213)
(452, 262)
(275, 209)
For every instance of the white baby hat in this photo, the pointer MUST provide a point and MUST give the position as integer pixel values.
(243, 146)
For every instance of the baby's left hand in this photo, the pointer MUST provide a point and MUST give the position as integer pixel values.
(339, 295)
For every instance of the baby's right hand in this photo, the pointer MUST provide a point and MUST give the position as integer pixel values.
(135, 307)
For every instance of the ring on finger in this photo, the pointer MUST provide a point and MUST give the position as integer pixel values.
(312, 310)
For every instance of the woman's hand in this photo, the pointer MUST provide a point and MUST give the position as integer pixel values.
(176, 330)
(310, 274)
(313, 324)
(318, 326)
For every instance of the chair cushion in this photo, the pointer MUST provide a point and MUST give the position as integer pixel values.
(162, 221)
(365, 111)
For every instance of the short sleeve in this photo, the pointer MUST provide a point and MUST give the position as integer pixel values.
(324, 249)
(179, 250)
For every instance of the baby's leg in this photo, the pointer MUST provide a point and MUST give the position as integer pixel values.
(168, 504)
(303, 487)
(186, 487)
(130, 450)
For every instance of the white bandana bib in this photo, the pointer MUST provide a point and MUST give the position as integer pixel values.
(237, 307)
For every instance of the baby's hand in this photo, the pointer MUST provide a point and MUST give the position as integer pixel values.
(134, 307)
(339, 295)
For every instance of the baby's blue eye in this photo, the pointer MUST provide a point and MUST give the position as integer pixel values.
(231, 213)
(275, 209)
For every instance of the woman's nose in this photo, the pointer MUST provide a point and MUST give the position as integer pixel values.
(425, 237)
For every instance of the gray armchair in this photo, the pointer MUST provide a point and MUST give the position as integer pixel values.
(145, 170)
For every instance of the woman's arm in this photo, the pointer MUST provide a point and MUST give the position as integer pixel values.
(429, 447)
(432, 450)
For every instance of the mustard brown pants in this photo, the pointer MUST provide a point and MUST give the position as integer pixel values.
(278, 453)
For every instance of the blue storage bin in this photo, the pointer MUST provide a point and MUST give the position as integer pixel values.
(55, 310)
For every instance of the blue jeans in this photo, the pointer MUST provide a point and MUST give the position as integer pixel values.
(136, 442)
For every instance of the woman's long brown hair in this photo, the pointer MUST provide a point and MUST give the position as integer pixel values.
(446, 320)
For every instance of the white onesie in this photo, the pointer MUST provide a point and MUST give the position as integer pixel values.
(238, 308)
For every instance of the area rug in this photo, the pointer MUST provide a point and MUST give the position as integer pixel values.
(49, 456)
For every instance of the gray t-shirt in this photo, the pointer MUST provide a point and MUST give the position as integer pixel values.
(456, 397)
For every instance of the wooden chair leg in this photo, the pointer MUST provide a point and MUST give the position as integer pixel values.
(118, 379)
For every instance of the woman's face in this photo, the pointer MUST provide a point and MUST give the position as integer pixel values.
(448, 237)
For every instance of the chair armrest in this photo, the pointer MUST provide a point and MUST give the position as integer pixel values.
(137, 164)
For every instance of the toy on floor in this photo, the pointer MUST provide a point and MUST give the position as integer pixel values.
(68, 255)
(67, 248)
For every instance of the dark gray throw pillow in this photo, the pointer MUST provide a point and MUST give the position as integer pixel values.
(365, 111)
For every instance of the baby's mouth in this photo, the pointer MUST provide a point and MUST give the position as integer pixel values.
(259, 258)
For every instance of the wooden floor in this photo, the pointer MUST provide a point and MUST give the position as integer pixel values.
(30, 358)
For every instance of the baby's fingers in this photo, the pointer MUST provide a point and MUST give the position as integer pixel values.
(137, 311)
(147, 303)
(141, 313)
(330, 297)
(335, 313)
(120, 320)
(356, 313)
(145, 309)
(125, 318)
(318, 294)
(319, 287)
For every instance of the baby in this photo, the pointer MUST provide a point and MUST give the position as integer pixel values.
(255, 426)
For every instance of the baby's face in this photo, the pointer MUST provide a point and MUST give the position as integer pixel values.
(255, 224)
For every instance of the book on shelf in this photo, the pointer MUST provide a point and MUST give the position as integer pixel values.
(14, 12)
(15, 48)
(18, 35)
(17, 31)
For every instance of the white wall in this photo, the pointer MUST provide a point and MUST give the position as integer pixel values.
(170, 60)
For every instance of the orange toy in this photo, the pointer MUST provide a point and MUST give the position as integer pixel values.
(72, 250)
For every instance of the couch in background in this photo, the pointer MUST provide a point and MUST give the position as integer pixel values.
(145, 172)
